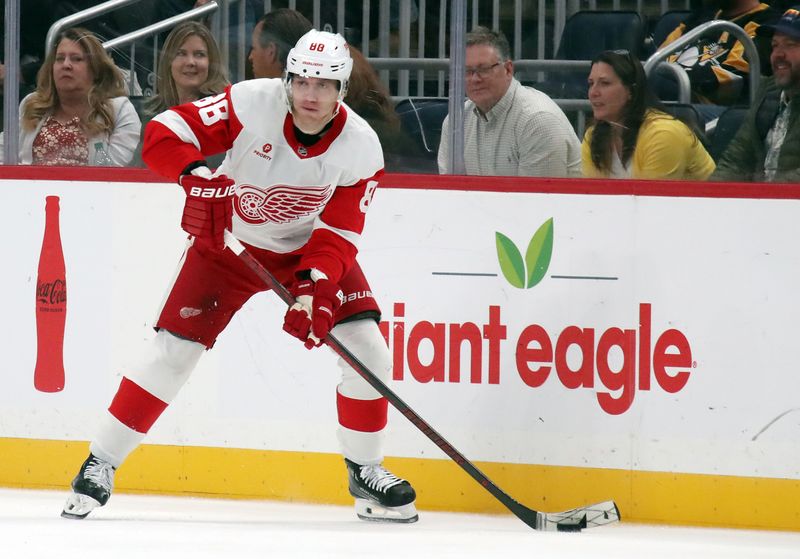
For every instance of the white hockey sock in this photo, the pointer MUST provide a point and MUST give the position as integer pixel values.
(114, 440)
(362, 445)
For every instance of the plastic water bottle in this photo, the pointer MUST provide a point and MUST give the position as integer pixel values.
(101, 157)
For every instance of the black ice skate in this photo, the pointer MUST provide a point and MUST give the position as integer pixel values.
(91, 488)
(380, 495)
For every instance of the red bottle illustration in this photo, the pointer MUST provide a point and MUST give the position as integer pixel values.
(51, 305)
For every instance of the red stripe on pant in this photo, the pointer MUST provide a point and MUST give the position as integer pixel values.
(367, 416)
(135, 407)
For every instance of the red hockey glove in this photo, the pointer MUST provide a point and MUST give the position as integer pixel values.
(311, 317)
(208, 210)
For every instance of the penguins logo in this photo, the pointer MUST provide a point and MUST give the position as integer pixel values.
(279, 204)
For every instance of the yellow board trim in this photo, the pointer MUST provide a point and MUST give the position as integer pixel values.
(652, 497)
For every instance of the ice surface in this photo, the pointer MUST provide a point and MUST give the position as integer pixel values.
(155, 527)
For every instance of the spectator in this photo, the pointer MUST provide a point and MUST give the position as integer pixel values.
(716, 64)
(273, 37)
(189, 69)
(229, 36)
(509, 129)
(631, 137)
(78, 114)
(35, 18)
(767, 146)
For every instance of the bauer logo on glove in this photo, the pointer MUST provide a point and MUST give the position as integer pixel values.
(208, 209)
(221, 192)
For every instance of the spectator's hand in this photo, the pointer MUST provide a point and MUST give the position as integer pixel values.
(310, 319)
(208, 210)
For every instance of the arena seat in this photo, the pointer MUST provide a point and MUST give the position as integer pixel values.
(586, 34)
(666, 24)
(685, 112)
(421, 118)
(728, 125)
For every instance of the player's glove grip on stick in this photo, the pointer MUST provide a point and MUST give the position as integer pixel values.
(208, 210)
(311, 317)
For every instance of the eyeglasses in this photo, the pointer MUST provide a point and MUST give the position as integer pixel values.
(481, 71)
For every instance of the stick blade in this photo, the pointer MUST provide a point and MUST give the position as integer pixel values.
(577, 519)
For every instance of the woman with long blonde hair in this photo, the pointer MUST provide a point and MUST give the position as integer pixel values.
(190, 68)
(78, 114)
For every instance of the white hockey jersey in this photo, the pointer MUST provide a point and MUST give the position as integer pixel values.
(288, 196)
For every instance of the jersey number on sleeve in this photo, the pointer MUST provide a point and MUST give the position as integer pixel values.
(212, 109)
(363, 205)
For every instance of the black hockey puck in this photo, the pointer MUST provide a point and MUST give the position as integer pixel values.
(569, 526)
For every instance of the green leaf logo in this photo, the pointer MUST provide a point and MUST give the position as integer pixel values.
(510, 260)
(525, 274)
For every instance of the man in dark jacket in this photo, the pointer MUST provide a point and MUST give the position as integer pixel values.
(767, 146)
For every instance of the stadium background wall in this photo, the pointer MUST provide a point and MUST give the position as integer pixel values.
(647, 356)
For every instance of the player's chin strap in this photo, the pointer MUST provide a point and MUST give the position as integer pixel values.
(568, 521)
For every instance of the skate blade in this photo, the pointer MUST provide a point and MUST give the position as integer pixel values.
(373, 512)
(79, 506)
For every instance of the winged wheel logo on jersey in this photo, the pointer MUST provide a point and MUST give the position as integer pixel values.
(280, 203)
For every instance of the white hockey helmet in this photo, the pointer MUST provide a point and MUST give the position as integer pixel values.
(319, 54)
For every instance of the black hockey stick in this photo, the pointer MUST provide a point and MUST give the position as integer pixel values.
(568, 521)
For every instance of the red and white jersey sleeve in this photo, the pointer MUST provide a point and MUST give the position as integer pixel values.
(289, 197)
(188, 133)
(334, 239)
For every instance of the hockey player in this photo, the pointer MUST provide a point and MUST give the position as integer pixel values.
(295, 186)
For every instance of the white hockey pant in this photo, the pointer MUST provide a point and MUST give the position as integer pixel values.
(166, 365)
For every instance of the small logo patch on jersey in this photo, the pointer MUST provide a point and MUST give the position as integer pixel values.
(189, 312)
(280, 203)
(265, 149)
(302, 151)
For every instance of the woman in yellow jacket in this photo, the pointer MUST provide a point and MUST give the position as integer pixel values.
(631, 138)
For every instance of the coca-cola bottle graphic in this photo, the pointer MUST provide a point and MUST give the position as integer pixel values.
(51, 305)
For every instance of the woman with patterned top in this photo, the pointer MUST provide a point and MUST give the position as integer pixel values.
(78, 114)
